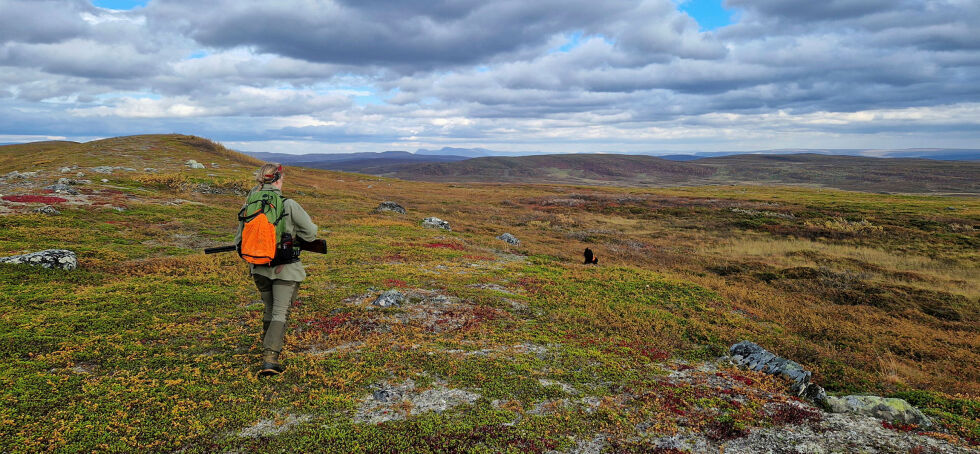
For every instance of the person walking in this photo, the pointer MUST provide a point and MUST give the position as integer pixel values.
(277, 272)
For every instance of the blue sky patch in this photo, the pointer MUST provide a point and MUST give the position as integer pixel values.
(122, 5)
(710, 14)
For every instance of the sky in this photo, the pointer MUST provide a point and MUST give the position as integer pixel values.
(326, 76)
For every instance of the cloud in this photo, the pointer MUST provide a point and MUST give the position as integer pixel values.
(512, 73)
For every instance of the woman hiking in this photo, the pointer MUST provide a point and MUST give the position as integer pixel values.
(270, 228)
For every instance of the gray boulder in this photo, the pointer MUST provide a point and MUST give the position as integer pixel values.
(62, 189)
(751, 356)
(390, 206)
(509, 239)
(194, 164)
(51, 258)
(435, 223)
(47, 209)
(102, 169)
(889, 409)
(391, 298)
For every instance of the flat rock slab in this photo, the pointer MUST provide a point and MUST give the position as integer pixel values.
(51, 258)
(889, 409)
(389, 402)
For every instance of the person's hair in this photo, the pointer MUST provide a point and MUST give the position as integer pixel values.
(268, 173)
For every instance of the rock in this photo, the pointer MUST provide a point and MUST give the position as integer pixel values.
(149, 170)
(47, 209)
(388, 402)
(194, 164)
(62, 189)
(67, 181)
(754, 357)
(21, 175)
(102, 169)
(506, 237)
(65, 169)
(80, 174)
(888, 409)
(104, 180)
(391, 298)
(51, 258)
(389, 206)
(435, 223)
(273, 427)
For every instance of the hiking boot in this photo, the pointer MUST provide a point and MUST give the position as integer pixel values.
(270, 364)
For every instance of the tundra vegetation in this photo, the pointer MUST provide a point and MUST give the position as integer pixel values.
(152, 346)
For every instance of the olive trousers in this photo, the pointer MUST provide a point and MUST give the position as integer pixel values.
(278, 295)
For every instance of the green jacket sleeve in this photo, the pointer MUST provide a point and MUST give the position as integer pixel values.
(303, 225)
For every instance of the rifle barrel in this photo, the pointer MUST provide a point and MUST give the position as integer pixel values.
(215, 250)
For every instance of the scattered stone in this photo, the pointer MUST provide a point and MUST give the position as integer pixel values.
(393, 402)
(102, 169)
(837, 433)
(194, 164)
(888, 409)
(19, 175)
(435, 223)
(62, 189)
(272, 427)
(150, 170)
(65, 169)
(506, 237)
(51, 258)
(104, 180)
(752, 356)
(391, 298)
(80, 174)
(47, 209)
(389, 206)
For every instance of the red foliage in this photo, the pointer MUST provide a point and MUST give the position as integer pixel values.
(794, 414)
(33, 199)
(740, 378)
(395, 283)
(328, 324)
(453, 246)
(646, 350)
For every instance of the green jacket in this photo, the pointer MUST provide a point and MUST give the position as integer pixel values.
(296, 223)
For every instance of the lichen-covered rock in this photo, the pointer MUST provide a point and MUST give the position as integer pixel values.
(51, 258)
(194, 164)
(888, 409)
(62, 189)
(102, 169)
(508, 238)
(389, 206)
(754, 357)
(391, 298)
(388, 402)
(47, 209)
(435, 223)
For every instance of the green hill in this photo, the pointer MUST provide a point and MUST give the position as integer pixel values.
(152, 346)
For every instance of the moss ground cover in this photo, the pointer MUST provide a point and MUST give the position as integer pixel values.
(151, 345)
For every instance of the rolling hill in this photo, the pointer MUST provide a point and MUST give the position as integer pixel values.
(151, 346)
(842, 172)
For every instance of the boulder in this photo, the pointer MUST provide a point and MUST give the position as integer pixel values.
(62, 189)
(435, 223)
(389, 206)
(102, 169)
(65, 170)
(51, 258)
(751, 356)
(506, 237)
(194, 164)
(47, 209)
(391, 298)
(888, 409)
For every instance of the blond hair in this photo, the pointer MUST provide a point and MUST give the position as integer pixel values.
(267, 173)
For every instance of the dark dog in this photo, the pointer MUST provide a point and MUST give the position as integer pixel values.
(590, 258)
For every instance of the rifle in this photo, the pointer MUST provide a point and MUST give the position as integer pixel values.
(317, 246)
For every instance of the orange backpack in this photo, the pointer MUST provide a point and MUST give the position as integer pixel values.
(262, 231)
